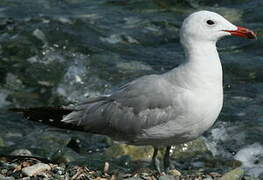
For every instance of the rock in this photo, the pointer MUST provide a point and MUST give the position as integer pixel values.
(215, 174)
(135, 152)
(6, 177)
(8, 165)
(236, 174)
(65, 156)
(4, 171)
(58, 170)
(3, 101)
(247, 177)
(168, 177)
(208, 178)
(21, 152)
(134, 178)
(40, 35)
(174, 172)
(119, 38)
(35, 169)
(190, 149)
(198, 164)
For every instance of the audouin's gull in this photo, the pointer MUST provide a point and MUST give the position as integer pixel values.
(164, 109)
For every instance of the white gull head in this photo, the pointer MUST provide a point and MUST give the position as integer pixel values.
(206, 26)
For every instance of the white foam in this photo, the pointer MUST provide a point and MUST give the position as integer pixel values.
(79, 81)
(3, 99)
(219, 134)
(252, 159)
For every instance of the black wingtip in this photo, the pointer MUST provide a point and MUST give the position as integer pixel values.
(47, 115)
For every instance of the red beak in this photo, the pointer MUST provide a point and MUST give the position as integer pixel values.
(243, 32)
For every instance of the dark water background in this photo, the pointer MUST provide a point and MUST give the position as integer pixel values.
(56, 52)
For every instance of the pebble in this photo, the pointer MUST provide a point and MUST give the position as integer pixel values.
(40, 35)
(208, 178)
(6, 178)
(21, 152)
(236, 174)
(198, 164)
(58, 170)
(174, 172)
(168, 177)
(35, 169)
(215, 174)
(4, 171)
(134, 178)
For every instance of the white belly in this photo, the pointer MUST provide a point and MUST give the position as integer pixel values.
(196, 115)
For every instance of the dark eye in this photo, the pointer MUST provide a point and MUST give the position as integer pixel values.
(210, 22)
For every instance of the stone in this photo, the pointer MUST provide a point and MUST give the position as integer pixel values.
(208, 178)
(134, 178)
(35, 169)
(174, 172)
(40, 35)
(167, 177)
(190, 149)
(236, 174)
(135, 152)
(21, 152)
(6, 177)
(65, 156)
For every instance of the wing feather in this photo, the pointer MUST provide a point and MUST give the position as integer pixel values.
(140, 104)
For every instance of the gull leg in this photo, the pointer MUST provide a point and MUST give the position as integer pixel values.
(166, 160)
(155, 161)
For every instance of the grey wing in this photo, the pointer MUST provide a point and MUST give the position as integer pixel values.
(138, 105)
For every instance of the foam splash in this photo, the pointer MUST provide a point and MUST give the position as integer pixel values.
(252, 159)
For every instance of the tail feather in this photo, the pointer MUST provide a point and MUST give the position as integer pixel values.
(48, 115)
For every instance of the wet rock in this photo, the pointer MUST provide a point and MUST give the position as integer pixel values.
(246, 177)
(13, 135)
(215, 174)
(40, 35)
(65, 20)
(5, 23)
(134, 178)
(21, 152)
(190, 149)
(208, 178)
(174, 172)
(6, 177)
(236, 174)
(123, 161)
(119, 38)
(168, 177)
(35, 169)
(133, 66)
(3, 100)
(8, 165)
(198, 164)
(65, 156)
(3, 171)
(58, 170)
(135, 152)
(75, 145)
(96, 161)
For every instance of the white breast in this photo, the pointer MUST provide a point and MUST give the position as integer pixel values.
(199, 114)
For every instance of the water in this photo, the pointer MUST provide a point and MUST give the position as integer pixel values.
(58, 52)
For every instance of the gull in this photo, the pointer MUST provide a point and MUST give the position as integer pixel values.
(163, 109)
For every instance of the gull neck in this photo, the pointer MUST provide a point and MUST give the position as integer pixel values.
(202, 66)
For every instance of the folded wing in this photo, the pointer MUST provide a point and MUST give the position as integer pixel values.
(138, 105)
